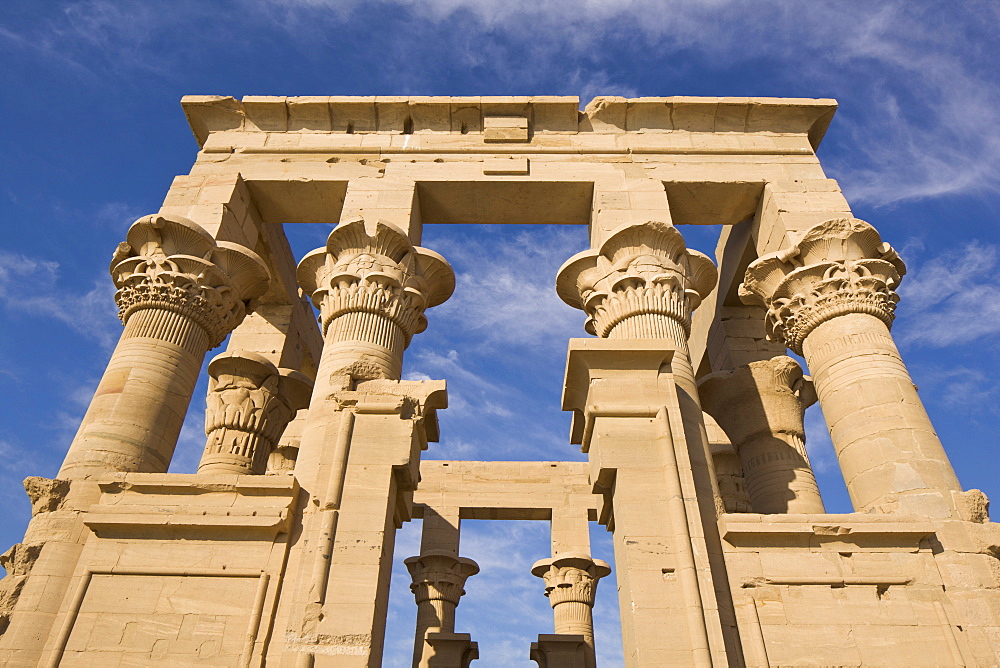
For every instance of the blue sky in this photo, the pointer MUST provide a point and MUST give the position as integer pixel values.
(93, 135)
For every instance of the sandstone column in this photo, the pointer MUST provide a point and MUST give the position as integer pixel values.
(571, 587)
(360, 446)
(831, 298)
(640, 286)
(250, 402)
(180, 293)
(760, 405)
(438, 583)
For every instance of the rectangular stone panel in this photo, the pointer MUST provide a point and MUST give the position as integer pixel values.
(161, 620)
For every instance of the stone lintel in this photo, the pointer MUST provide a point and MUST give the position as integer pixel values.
(169, 501)
(504, 490)
(544, 114)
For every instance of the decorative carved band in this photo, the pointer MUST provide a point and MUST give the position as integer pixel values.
(171, 264)
(381, 274)
(249, 404)
(640, 280)
(839, 267)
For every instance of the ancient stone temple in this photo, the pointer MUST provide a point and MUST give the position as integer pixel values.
(278, 550)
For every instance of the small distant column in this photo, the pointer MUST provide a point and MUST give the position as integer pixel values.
(438, 583)
(832, 299)
(571, 587)
(760, 406)
(180, 293)
(249, 404)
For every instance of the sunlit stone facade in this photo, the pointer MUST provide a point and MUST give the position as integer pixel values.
(277, 551)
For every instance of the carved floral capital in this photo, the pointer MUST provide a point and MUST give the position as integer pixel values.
(171, 263)
(439, 576)
(249, 404)
(380, 273)
(838, 267)
(641, 273)
(570, 578)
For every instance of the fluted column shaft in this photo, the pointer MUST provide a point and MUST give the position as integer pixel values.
(832, 298)
(760, 406)
(179, 294)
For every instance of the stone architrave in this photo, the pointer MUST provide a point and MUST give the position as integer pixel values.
(571, 587)
(249, 404)
(180, 293)
(761, 405)
(831, 298)
(438, 584)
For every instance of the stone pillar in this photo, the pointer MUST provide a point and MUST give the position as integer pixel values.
(643, 283)
(359, 451)
(831, 298)
(250, 402)
(760, 406)
(571, 587)
(180, 293)
(639, 287)
(438, 583)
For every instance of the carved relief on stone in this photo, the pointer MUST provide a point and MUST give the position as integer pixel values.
(380, 273)
(642, 276)
(249, 403)
(838, 267)
(171, 263)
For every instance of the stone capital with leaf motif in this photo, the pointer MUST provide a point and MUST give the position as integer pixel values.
(643, 282)
(171, 263)
(838, 267)
(379, 273)
(249, 404)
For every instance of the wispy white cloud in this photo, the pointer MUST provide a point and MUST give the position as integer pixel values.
(117, 215)
(506, 287)
(952, 298)
(964, 391)
(32, 286)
